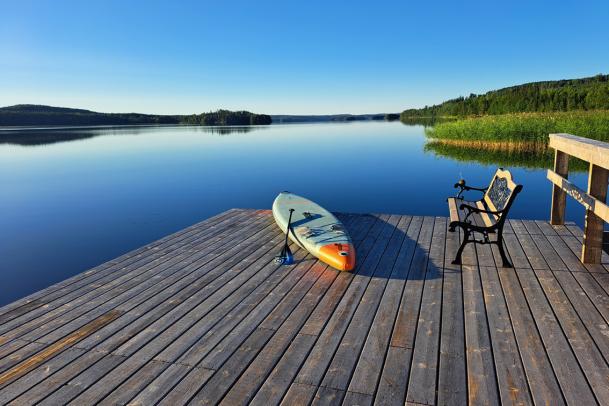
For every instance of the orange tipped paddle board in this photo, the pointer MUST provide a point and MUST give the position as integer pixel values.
(316, 230)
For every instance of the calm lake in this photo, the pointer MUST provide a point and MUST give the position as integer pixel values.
(73, 198)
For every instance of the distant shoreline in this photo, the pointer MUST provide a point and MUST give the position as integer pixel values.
(22, 115)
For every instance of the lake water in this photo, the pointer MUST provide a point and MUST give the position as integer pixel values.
(71, 199)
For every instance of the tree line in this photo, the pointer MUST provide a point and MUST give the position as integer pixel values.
(27, 114)
(590, 93)
(226, 117)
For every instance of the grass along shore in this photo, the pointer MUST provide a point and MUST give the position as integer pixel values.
(520, 131)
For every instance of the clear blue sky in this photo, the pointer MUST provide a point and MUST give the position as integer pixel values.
(286, 57)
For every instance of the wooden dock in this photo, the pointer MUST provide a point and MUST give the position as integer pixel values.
(205, 316)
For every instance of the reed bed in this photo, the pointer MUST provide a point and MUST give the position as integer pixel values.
(527, 129)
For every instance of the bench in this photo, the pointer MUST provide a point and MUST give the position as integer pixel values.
(485, 216)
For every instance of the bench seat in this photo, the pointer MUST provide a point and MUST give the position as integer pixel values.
(478, 219)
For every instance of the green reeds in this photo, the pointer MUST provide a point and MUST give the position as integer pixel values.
(524, 128)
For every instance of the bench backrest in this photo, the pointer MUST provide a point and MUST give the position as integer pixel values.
(501, 192)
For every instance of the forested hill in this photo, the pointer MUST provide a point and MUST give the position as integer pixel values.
(560, 95)
(29, 114)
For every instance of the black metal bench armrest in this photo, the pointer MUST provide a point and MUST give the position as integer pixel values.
(464, 188)
(474, 209)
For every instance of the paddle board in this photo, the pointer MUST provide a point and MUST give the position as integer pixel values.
(316, 230)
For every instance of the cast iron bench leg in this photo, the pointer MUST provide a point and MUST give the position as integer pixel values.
(457, 260)
(506, 262)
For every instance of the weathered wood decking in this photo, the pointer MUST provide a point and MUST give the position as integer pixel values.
(205, 316)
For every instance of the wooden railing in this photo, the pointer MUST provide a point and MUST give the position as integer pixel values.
(594, 199)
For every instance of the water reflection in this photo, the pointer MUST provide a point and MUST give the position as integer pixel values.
(532, 158)
(47, 136)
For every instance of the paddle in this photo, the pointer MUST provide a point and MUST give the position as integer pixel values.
(286, 257)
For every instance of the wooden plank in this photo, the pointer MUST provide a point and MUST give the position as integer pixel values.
(328, 396)
(547, 228)
(134, 384)
(481, 379)
(589, 314)
(511, 377)
(453, 209)
(559, 197)
(186, 388)
(590, 357)
(15, 351)
(572, 381)
(279, 380)
(481, 374)
(360, 399)
(532, 252)
(564, 252)
(586, 149)
(404, 329)
(539, 372)
(162, 384)
(71, 388)
(452, 376)
(61, 377)
(593, 288)
(424, 366)
(594, 204)
(299, 394)
(549, 255)
(216, 386)
(517, 254)
(394, 379)
(39, 295)
(571, 229)
(586, 291)
(517, 226)
(575, 245)
(40, 357)
(25, 382)
(532, 227)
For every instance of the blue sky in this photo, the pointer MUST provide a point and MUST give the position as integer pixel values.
(284, 57)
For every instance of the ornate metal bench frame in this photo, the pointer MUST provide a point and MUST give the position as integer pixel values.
(495, 204)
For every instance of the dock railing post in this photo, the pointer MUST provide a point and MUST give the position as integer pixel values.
(559, 196)
(592, 247)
